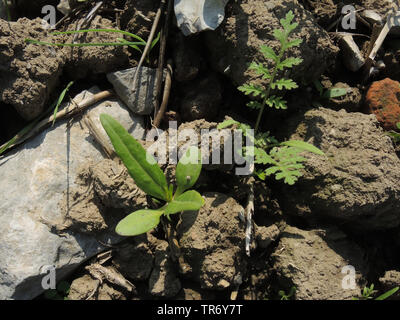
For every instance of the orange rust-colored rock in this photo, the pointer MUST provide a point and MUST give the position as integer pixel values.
(383, 100)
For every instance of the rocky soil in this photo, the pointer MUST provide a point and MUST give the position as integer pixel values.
(61, 196)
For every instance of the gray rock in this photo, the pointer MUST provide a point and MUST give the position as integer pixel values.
(64, 7)
(36, 177)
(357, 182)
(212, 242)
(250, 24)
(352, 57)
(313, 261)
(139, 101)
(200, 15)
(372, 17)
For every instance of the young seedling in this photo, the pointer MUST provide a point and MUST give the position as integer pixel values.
(283, 159)
(285, 296)
(148, 176)
(395, 135)
(367, 293)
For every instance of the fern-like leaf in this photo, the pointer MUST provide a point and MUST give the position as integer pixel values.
(286, 165)
(254, 105)
(269, 53)
(255, 90)
(282, 84)
(277, 102)
(287, 22)
(289, 63)
(260, 69)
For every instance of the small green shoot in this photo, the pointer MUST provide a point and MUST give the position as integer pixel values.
(395, 135)
(148, 176)
(367, 293)
(60, 100)
(285, 296)
(53, 107)
(282, 159)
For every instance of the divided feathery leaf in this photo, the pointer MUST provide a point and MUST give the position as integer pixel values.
(260, 69)
(227, 123)
(277, 102)
(282, 84)
(254, 105)
(255, 90)
(287, 22)
(289, 63)
(269, 53)
(286, 164)
(293, 43)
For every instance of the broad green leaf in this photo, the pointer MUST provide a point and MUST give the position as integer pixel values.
(302, 146)
(138, 222)
(387, 294)
(335, 93)
(269, 53)
(141, 166)
(188, 201)
(188, 170)
(398, 125)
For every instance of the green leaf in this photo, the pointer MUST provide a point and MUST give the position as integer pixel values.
(304, 146)
(138, 222)
(287, 22)
(188, 170)
(227, 123)
(252, 89)
(254, 105)
(335, 93)
(141, 166)
(387, 294)
(277, 102)
(269, 53)
(398, 125)
(259, 68)
(289, 63)
(60, 100)
(188, 201)
(293, 43)
(319, 87)
(280, 36)
(287, 84)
